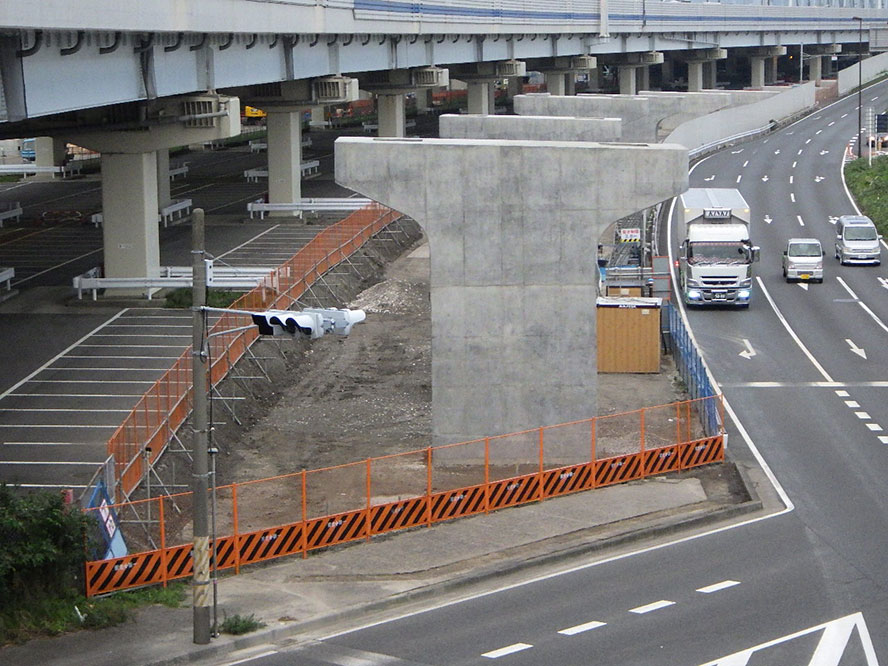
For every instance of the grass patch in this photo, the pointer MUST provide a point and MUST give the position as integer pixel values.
(238, 624)
(216, 298)
(868, 186)
(42, 617)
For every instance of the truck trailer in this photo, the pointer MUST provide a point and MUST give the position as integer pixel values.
(716, 255)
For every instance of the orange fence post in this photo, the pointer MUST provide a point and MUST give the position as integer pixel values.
(304, 516)
(367, 520)
(678, 423)
(688, 419)
(429, 486)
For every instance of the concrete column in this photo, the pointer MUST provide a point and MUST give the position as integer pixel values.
(284, 157)
(513, 291)
(392, 114)
(770, 70)
(164, 196)
(667, 72)
(626, 76)
(129, 209)
(423, 98)
(318, 117)
(479, 97)
(49, 152)
(710, 67)
(555, 83)
(815, 69)
(695, 76)
(491, 97)
(644, 78)
(515, 85)
(570, 83)
(757, 67)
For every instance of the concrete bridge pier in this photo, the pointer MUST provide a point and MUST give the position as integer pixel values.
(763, 64)
(49, 152)
(284, 155)
(819, 55)
(164, 190)
(513, 275)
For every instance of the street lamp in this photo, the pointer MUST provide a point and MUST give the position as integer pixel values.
(859, 20)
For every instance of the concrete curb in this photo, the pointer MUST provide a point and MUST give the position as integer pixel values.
(662, 527)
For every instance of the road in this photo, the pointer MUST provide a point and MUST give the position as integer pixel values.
(804, 585)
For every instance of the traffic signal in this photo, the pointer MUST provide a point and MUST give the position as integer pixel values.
(311, 322)
(882, 122)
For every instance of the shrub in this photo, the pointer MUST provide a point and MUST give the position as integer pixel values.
(238, 624)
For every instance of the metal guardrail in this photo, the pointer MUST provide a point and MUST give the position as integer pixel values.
(10, 211)
(331, 205)
(6, 275)
(725, 141)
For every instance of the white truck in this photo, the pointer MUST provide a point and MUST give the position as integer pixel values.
(716, 256)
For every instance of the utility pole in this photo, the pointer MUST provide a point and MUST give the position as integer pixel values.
(200, 553)
(859, 20)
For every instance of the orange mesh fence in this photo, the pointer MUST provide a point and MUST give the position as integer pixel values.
(166, 405)
(296, 513)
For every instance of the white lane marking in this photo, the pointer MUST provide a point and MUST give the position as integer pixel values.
(738, 178)
(509, 649)
(807, 142)
(834, 122)
(854, 348)
(792, 196)
(874, 98)
(801, 150)
(862, 415)
(843, 394)
(881, 384)
(861, 304)
(818, 131)
(749, 352)
(794, 164)
(718, 587)
(853, 404)
(801, 222)
(803, 285)
(710, 178)
(875, 427)
(883, 282)
(267, 653)
(768, 219)
(649, 608)
(790, 180)
(745, 163)
(580, 628)
(791, 332)
(82, 410)
(883, 439)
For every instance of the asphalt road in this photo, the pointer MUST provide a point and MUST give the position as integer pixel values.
(805, 585)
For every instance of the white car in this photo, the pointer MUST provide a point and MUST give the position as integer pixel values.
(803, 260)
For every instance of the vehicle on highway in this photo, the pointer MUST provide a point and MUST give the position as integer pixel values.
(857, 240)
(803, 260)
(716, 257)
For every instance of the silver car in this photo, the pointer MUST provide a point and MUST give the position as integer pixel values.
(857, 240)
(803, 260)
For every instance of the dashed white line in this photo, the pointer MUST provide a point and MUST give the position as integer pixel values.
(861, 415)
(851, 403)
(790, 180)
(845, 394)
(801, 150)
(801, 222)
(648, 608)
(875, 427)
(745, 163)
(717, 587)
(738, 178)
(834, 122)
(792, 196)
(807, 142)
(509, 649)
(818, 131)
(580, 628)
(883, 439)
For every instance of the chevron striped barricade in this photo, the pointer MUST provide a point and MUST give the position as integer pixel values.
(297, 513)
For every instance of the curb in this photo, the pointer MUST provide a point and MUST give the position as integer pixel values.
(680, 523)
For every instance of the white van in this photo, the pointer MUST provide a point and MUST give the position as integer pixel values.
(803, 260)
(857, 240)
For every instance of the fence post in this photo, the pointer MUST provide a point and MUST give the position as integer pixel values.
(304, 525)
(367, 526)
(236, 528)
(486, 474)
(429, 486)
(540, 489)
(163, 551)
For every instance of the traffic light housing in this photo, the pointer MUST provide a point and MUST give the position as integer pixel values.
(311, 322)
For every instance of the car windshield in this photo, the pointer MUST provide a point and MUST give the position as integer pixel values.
(804, 250)
(718, 253)
(860, 233)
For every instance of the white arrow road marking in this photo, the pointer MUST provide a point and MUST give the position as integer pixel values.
(883, 282)
(833, 219)
(777, 152)
(749, 352)
(710, 178)
(857, 350)
(824, 152)
(817, 179)
(580, 628)
(509, 649)
(765, 178)
(801, 222)
(768, 220)
(830, 648)
(803, 285)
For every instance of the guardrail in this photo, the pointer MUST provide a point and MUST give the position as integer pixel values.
(325, 507)
(163, 409)
(728, 140)
(181, 170)
(178, 209)
(326, 205)
(6, 275)
(74, 168)
(10, 211)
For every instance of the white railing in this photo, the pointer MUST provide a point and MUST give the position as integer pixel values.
(6, 275)
(178, 209)
(181, 170)
(10, 211)
(329, 205)
(29, 169)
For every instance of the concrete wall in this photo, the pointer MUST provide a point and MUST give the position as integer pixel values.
(736, 120)
(873, 68)
(534, 128)
(512, 229)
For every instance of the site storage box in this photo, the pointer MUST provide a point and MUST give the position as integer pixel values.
(628, 334)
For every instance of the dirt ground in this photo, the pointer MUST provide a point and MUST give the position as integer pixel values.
(338, 400)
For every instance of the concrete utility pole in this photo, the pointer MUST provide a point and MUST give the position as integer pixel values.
(200, 553)
(859, 84)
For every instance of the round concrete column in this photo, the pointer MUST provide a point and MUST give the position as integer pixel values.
(284, 158)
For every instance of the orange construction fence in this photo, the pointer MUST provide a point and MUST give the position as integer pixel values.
(164, 408)
(295, 513)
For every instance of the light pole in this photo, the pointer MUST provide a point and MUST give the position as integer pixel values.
(859, 20)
